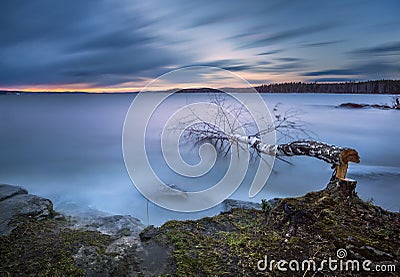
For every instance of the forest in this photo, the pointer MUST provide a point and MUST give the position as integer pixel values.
(364, 87)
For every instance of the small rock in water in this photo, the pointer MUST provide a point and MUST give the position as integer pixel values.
(352, 105)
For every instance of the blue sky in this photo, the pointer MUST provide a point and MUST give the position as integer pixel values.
(122, 45)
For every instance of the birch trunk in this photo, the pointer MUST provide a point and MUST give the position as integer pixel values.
(335, 155)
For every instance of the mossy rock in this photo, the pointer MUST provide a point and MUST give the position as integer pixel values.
(231, 244)
(45, 248)
(313, 226)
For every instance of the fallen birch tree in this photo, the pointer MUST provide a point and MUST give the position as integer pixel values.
(284, 124)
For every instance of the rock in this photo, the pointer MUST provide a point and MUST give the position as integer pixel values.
(156, 259)
(85, 218)
(16, 205)
(274, 202)
(94, 264)
(117, 256)
(78, 211)
(122, 245)
(384, 107)
(230, 204)
(7, 191)
(353, 105)
(359, 106)
(115, 225)
(376, 251)
(148, 233)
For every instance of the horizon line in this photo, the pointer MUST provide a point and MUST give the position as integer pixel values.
(105, 90)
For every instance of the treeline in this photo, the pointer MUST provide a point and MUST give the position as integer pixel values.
(378, 86)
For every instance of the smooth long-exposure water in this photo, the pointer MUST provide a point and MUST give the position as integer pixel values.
(68, 148)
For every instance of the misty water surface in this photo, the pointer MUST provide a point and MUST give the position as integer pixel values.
(68, 148)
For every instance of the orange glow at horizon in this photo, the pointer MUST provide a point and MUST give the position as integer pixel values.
(67, 88)
(255, 79)
(70, 88)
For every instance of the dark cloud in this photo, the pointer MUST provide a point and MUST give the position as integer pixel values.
(332, 72)
(210, 12)
(244, 65)
(44, 42)
(122, 64)
(378, 68)
(324, 80)
(209, 19)
(286, 35)
(23, 21)
(272, 52)
(392, 48)
(231, 64)
(286, 67)
(324, 43)
(115, 39)
(371, 69)
(288, 59)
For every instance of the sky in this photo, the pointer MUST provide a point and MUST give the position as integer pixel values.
(121, 45)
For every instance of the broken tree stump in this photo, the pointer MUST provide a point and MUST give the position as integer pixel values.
(345, 156)
(347, 187)
(339, 157)
(342, 187)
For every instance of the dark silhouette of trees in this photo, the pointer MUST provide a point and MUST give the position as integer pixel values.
(377, 86)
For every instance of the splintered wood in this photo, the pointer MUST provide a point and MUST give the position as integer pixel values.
(346, 156)
(337, 156)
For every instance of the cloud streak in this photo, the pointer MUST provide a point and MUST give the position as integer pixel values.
(392, 48)
(321, 44)
(285, 35)
(343, 72)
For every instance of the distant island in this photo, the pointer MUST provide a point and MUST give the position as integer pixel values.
(353, 87)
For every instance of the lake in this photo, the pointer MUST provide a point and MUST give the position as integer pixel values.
(68, 148)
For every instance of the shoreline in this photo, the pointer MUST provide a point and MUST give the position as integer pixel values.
(232, 242)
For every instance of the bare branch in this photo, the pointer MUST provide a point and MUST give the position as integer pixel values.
(223, 134)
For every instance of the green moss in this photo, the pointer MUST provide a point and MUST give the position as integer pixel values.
(45, 248)
(229, 244)
(232, 243)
